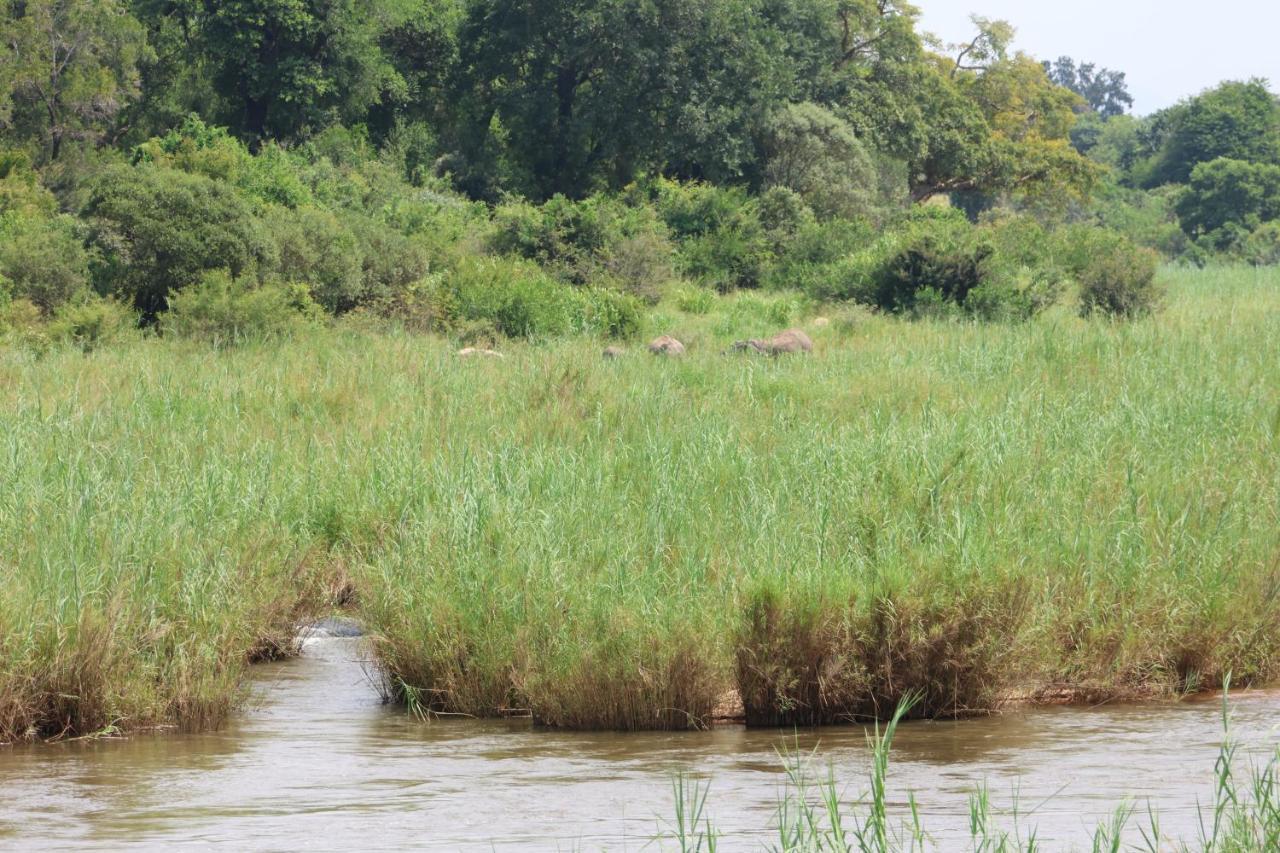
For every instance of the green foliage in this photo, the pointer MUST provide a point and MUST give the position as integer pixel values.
(695, 301)
(723, 243)
(317, 250)
(1117, 278)
(608, 313)
(70, 67)
(224, 311)
(43, 259)
(1262, 247)
(1229, 195)
(936, 260)
(390, 261)
(784, 215)
(816, 259)
(520, 300)
(1236, 121)
(1016, 293)
(92, 322)
(516, 296)
(158, 230)
(284, 68)
(586, 241)
(812, 151)
(272, 176)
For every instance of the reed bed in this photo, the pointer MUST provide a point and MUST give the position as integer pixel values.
(945, 508)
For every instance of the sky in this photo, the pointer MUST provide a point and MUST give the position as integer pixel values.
(1169, 50)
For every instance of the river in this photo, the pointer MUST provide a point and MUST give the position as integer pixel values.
(316, 761)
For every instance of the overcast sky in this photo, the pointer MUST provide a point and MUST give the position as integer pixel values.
(1168, 49)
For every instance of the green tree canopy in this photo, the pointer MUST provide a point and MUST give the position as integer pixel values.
(1239, 121)
(1225, 193)
(69, 67)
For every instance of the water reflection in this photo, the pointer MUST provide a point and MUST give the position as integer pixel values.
(319, 758)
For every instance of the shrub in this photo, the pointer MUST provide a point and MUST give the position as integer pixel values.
(642, 264)
(159, 230)
(784, 214)
(390, 261)
(611, 314)
(817, 257)
(581, 241)
(92, 322)
(1017, 293)
(317, 250)
(426, 305)
(516, 296)
(721, 238)
(695, 301)
(224, 310)
(1118, 278)
(43, 258)
(1262, 247)
(946, 256)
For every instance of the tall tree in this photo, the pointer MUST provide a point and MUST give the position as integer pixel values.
(287, 66)
(69, 66)
(1236, 120)
(1104, 90)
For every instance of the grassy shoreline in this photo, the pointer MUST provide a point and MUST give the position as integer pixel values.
(936, 507)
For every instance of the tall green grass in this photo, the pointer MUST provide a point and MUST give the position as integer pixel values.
(949, 509)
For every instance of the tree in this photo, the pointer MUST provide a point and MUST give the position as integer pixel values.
(285, 67)
(70, 66)
(158, 230)
(1001, 129)
(1104, 90)
(1229, 194)
(989, 47)
(812, 151)
(1238, 121)
(567, 96)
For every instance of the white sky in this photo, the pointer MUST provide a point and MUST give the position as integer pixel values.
(1168, 49)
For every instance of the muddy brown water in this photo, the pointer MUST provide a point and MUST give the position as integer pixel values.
(317, 762)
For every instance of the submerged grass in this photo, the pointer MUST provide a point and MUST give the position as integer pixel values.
(942, 508)
(814, 816)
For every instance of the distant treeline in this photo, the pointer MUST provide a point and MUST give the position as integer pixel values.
(447, 160)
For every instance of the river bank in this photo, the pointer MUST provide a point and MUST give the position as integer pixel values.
(929, 506)
(316, 755)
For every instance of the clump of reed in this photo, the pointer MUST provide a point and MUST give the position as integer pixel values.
(807, 659)
(948, 507)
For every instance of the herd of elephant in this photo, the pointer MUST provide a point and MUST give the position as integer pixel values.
(790, 342)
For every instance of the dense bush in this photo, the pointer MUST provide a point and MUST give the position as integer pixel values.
(583, 241)
(43, 258)
(316, 249)
(816, 258)
(934, 260)
(159, 229)
(1226, 197)
(91, 322)
(1262, 247)
(723, 242)
(224, 310)
(1116, 277)
(389, 261)
(516, 296)
(520, 300)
